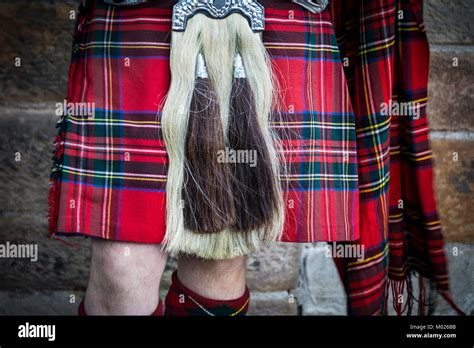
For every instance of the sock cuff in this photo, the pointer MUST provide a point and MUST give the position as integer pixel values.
(81, 311)
(240, 304)
(159, 309)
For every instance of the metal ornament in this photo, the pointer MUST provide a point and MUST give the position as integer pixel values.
(239, 70)
(124, 2)
(314, 6)
(201, 70)
(218, 9)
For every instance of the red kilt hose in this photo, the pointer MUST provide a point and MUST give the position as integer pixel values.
(335, 69)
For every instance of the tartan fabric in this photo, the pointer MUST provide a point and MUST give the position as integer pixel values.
(416, 241)
(109, 173)
(365, 31)
(335, 70)
(181, 301)
(387, 48)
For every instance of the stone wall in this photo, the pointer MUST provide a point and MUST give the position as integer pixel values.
(285, 279)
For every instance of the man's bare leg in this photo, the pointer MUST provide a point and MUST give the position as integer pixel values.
(124, 278)
(218, 280)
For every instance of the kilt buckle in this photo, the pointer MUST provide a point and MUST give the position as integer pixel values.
(314, 6)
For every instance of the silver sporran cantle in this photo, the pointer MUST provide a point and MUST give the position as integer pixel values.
(217, 9)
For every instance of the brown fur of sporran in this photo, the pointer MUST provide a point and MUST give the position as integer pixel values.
(254, 192)
(208, 206)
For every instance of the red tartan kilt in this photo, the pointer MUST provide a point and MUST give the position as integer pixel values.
(110, 166)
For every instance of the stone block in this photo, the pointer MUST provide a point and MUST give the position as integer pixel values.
(39, 34)
(321, 291)
(40, 302)
(275, 268)
(26, 145)
(272, 303)
(450, 89)
(59, 266)
(454, 173)
(449, 22)
(461, 275)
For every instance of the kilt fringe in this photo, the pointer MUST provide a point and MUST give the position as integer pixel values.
(55, 175)
(448, 298)
(53, 197)
(403, 295)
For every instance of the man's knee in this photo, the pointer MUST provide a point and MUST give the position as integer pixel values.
(219, 280)
(123, 275)
(237, 264)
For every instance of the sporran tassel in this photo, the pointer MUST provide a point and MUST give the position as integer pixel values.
(216, 209)
(255, 194)
(207, 206)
